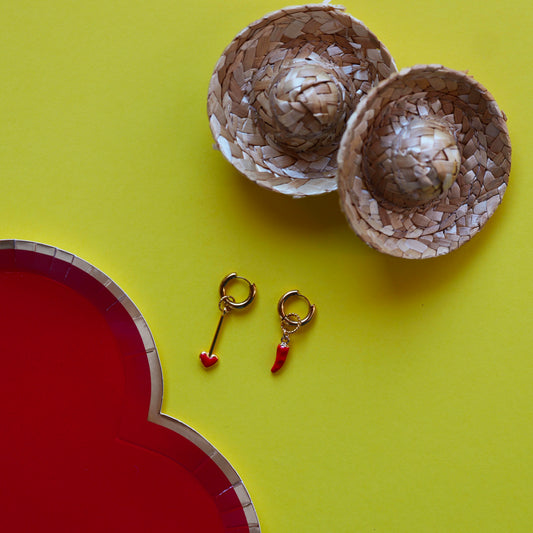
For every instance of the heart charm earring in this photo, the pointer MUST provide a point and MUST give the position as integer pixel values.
(290, 323)
(226, 304)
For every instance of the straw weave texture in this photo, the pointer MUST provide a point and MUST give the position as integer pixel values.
(430, 209)
(283, 90)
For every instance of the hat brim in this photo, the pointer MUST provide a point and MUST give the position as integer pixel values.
(452, 219)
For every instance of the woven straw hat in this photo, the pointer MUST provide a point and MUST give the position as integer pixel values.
(283, 90)
(424, 162)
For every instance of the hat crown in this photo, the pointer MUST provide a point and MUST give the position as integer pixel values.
(304, 106)
(423, 163)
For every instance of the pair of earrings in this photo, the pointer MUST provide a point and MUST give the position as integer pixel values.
(290, 322)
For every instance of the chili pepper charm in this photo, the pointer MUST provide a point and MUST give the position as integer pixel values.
(281, 356)
(290, 323)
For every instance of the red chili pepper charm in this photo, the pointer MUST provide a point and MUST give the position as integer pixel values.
(290, 323)
(281, 356)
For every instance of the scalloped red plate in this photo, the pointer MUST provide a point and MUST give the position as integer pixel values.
(84, 446)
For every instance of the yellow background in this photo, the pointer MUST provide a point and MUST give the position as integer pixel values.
(407, 405)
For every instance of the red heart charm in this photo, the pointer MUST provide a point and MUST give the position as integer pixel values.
(208, 360)
(84, 444)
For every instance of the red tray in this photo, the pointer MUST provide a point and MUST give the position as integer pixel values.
(84, 446)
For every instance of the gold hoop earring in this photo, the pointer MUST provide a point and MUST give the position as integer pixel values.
(226, 304)
(290, 323)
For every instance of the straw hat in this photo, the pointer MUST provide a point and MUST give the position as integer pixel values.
(424, 162)
(282, 91)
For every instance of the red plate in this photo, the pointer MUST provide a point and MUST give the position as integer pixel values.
(84, 446)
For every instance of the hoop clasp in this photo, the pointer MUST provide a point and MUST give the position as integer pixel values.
(289, 318)
(229, 301)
